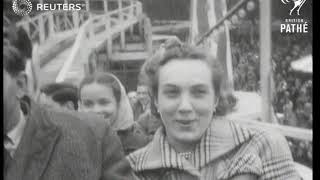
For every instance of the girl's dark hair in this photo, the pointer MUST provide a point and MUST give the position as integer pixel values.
(17, 48)
(66, 94)
(104, 79)
(174, 49)
(13, 61)
(51, 88)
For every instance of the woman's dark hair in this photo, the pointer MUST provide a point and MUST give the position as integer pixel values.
(104, 79)
(19, 39)
(17, 49)
(13, 61)
(174, 49)
(51, 88)
(64, 95)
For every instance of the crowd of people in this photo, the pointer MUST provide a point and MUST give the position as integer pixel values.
(172, 127)
(292, 90)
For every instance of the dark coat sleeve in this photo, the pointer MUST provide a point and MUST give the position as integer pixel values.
(115, 166)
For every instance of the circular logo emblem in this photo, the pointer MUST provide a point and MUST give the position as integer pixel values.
(21, 7)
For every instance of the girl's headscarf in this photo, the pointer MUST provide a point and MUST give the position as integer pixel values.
(125, 114)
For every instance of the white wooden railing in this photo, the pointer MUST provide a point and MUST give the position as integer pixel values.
(97, 23)
(288, 131)
(45, 25)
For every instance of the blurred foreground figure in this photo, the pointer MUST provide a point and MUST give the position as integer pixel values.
(45, 144)
(193, 142)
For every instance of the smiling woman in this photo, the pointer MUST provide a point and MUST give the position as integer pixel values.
(194, 143)
(186, 101)
(103, 94)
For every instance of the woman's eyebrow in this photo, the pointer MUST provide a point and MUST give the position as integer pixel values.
(200, 86)
(86, 100)
(103, 99)
(169, 85)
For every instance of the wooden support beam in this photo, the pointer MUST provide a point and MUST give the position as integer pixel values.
(121, 19)
(228, 55)
(88, 7)
(265, 61)
(131, 30)
(140, 27)
(41, 29)
(141, 19)
(132, 14)
(123, 39)
(109, 48)
(193, 21)
(75, 19)
(134, 5)
(148, 35)
(51, 24)
(105, 6)
(131, 10)
(58, 23)
(120, 10)
(91, 28)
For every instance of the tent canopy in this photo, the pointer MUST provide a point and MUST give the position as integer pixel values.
(303, 65)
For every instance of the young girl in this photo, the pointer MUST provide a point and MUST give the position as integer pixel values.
(103, 93)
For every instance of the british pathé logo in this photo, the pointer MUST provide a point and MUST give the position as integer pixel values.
(294, 25)
(297, 5)
(21, 7)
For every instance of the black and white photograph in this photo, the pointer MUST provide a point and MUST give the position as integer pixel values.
(157, 89)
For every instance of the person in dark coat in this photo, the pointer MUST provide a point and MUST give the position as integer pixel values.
(43, 144)
(142, 110)
(113, 164)
(143, 99)
(149, 123)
